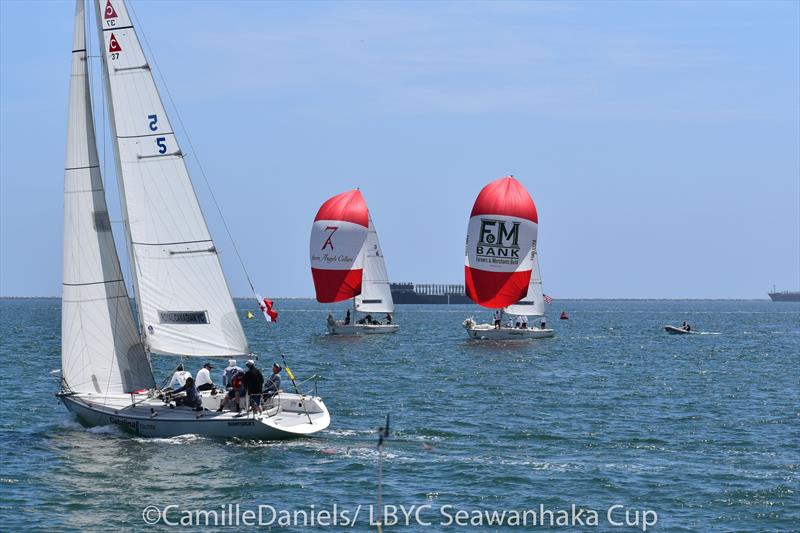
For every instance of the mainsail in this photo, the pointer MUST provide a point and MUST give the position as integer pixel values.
(336, 247)
(376, 295)
(533, 303)
(185, 306)
(501, 242)
(100, 348)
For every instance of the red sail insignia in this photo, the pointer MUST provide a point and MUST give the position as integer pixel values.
(110, 12)
(113, 45)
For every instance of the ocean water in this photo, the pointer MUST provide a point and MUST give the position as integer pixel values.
(613, 415)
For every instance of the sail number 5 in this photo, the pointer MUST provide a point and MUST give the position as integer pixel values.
(161, 142)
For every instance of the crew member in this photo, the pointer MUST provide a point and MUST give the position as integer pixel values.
(254, 384)
(192, 398)
(179, 378)
(273, 383)
(204, 378)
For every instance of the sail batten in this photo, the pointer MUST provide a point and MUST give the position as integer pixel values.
(101, 352)
(185, 305)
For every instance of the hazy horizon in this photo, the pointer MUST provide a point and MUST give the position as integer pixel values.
(659, 140)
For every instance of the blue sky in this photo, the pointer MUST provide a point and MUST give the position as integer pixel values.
(659, 140)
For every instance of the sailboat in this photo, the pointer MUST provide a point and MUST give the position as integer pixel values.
(502, 265)
(183, 303)
(347, 263)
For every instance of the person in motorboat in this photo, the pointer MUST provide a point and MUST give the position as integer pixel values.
(543, 323)
(273, 383)
(179, 378)
(524, 322)
(232, 381)
(203, 379)
(686, 326)
(497, 319)
(254, 383)
(347, 318)
(192, 398)
(388, 319)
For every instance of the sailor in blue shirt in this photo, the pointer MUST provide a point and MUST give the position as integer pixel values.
(273, 383)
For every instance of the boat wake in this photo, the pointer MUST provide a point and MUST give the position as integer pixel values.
(179, 439)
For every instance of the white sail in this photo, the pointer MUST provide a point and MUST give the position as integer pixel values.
(533, 302)
(376, 296)
(185, 306)
(100, 348)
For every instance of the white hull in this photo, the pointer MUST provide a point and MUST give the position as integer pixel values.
(489, 332)
(284, 416)
(361, 329)
(675, 330)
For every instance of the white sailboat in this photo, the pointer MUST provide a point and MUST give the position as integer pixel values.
(347, 263)
(532, 305)
(502, 264)
(183, 302)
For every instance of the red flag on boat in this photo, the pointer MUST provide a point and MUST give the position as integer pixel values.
(337, 237)
(266, 307)
(501, 242)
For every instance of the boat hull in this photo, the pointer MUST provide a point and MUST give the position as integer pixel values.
(362, 329)
(150, 417)
(489, 332)
(674, 330)
(785, 296)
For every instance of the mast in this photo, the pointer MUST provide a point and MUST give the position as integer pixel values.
(101, 352)
(120, 186)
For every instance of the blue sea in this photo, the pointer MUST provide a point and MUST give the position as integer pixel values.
(612, 416)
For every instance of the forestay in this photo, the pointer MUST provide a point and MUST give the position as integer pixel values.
(376, 295)
(100, 348)
(533, 303)
(501, 242)
(336, 247)
(184, 302)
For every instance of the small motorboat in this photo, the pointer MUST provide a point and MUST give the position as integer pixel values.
(677, 330)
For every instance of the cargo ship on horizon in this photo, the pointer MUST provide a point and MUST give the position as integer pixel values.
(784, 296)
(429, 293)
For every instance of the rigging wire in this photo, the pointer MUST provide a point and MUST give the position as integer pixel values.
(194, 152)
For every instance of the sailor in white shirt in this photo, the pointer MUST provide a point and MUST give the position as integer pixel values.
(203, 380)
(179, 378)
(524, 322)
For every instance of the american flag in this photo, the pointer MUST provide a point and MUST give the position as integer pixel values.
(548, 299)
